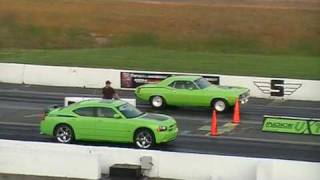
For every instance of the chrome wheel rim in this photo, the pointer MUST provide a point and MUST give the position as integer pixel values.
(64, 134)
(219, 106)
(157, 101)
(144, 140)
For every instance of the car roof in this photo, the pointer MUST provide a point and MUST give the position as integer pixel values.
(101, 102)
(183, 77)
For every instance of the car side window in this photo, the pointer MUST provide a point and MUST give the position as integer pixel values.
(85, 111)
(105, 112)
(184, 85)
(189, 85)
(172, 84)
(179, 84)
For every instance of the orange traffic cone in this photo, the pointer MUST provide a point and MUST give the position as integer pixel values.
(214, 131)
(236, 113)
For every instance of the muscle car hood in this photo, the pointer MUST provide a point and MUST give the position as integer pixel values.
(230, 89)
(157, 117)
(160, 119)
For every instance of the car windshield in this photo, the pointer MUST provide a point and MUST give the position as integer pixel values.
(129, 111)
(202, 83)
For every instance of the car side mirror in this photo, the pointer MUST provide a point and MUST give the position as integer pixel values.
(117, 116)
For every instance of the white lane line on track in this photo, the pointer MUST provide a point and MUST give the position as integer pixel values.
(20, 107)
(259, 140)
(46, 93)
(184, 132)
(270, 105)
(256, 106)
(281, 107)
(208, 120)
(33, 115)
(20, 124)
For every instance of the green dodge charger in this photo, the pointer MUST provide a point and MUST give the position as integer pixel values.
(191, 91)
(108, 120)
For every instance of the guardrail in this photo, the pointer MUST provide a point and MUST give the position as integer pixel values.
(275, 88)
(76, 161)
(295, 125)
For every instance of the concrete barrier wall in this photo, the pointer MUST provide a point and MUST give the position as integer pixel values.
(37, 158)
(67, 76)
(284, 170)
(43, 159)
(294, 89)
(274, 88)
(11, 73)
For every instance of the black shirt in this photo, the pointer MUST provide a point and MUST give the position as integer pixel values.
(108, 92)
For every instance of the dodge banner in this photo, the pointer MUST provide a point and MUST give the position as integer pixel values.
(291, 125)
(134, 79)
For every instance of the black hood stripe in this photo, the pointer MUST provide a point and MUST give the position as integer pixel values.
(157, 117)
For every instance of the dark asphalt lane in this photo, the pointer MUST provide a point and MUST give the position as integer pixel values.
(21, 108)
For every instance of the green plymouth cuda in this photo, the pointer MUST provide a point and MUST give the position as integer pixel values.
(191, 91)
(108, 120)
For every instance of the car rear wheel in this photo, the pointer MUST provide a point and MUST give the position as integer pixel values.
(220, 105)
(157, 102)
(64, 134)
(144, 139)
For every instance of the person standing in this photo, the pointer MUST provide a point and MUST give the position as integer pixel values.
(108, 92)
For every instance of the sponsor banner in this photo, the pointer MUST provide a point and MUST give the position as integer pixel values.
(291, 125)
(135, 79)
(277, 87)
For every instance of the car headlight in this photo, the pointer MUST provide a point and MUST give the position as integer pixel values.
(162, 128)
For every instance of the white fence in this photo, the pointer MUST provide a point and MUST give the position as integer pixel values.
(75, 161)
(295, 89)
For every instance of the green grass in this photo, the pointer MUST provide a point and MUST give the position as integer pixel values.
(154, 59)
(275, 39)
(233, 26)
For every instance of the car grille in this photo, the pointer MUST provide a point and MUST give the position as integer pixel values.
(172, 127)
(244, 95)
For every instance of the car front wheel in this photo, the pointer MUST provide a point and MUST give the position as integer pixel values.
(144, 139)
(64, 134)
(220, 105)
(157, 102)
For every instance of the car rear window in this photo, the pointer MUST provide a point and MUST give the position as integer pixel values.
(85, 111)
(202, 83)
(105, 112)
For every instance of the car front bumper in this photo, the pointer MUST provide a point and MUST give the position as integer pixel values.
(244, 98)
(166, 136)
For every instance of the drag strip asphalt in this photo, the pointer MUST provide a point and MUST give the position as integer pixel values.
(21, 110)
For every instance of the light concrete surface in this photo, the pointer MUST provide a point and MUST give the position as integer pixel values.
(46, 160)
(295, 89)
(75, 161)
(30, 177)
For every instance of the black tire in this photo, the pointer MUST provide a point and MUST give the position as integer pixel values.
(63, 133)
(157, 102)
(144, 138)
(220, 105)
